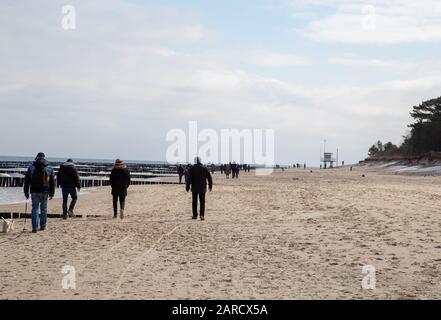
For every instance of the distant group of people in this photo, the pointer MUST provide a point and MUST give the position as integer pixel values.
(184, 172)
(39, 185)
(228, 169)
(298, 166)
(234, 169)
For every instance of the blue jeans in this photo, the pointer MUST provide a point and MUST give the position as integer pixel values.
(39, 201)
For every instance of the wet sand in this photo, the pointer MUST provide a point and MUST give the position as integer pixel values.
(291, 235)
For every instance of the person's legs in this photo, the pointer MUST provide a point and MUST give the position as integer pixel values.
(115, 205)
(35, 207)
(65, 193)
(122, 202)
(195, 204)
(43, 207)
(74, 195)
(202, 201)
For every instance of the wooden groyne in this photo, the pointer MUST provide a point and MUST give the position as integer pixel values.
(92, 175)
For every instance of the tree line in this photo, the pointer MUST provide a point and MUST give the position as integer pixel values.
(424, 135)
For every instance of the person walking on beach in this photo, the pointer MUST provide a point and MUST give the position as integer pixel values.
(233, 169)
(120, 181)
(199, 175)
(69, 180)
(187, 173)
(227, 170)
(180, 173)
(222, 168)
(237, 169)
(39, 182)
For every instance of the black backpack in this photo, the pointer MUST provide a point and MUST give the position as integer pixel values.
(40, 179)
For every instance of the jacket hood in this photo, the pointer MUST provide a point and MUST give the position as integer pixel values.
(120, 165)
(67, 164)
(40, 163)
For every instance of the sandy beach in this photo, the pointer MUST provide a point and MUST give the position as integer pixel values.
(291, 235)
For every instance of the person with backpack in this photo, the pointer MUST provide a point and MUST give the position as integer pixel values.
(69, 180)
(40, 183)
(197, 182)
(119, 181)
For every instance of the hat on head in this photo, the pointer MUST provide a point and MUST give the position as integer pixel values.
(197, 160)
(118, 161)
(69, 160)
(40, 155)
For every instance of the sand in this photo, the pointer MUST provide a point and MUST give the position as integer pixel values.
(291, 235)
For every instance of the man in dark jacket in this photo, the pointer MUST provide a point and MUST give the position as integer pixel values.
(180, 173)
(198, 183)
(69, 181)
(39, 180)
(120, 181)
(233, 169)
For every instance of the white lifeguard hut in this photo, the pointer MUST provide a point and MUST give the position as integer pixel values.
(328, 160)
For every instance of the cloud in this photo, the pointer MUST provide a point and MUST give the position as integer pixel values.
(372, 22)
(130, 73)
(396, 66)
(272, 59)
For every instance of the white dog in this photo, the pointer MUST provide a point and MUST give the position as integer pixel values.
(6, 225)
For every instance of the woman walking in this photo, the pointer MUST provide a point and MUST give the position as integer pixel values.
(227, 170)
(120, 181)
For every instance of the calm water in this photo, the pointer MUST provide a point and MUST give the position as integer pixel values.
(15, 195)
(83, 160)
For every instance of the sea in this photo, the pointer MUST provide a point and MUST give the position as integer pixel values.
(83, 160)
(15, 195)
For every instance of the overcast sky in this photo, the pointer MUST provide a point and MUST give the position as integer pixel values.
(132, 70)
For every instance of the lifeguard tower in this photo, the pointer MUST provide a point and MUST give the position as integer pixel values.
(328, 160)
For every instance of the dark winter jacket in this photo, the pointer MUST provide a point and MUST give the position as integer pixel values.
(47, 183)
(198, 179)
(67, 176)
(119, 180)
